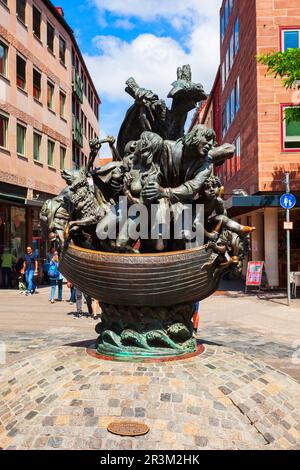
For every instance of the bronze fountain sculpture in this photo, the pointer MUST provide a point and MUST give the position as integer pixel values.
(132, 234)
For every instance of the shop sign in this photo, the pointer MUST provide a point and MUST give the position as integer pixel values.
(254, 273)
(288, 225)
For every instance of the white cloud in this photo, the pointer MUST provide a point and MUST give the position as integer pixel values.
(148, 10)
(124, 24)
(153, 60)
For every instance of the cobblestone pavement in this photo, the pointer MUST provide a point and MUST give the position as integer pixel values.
(275, 353)
(53, 395)
(63, 398)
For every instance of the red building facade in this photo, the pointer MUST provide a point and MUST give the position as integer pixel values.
(251, 115)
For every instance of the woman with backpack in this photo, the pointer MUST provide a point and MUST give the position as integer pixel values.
(56, 278)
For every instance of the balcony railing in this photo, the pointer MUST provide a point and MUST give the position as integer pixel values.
(77, 85)
(77, 131)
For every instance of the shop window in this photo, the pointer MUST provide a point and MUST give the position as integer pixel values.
(291, 133)
(50, 94)
(21, 10)
(62, 158)
(290, 39)
(21, 139)
(4, 227)
(51, 146)
(3, 131)
(21, 72)
(3, 58)
(37, 139)
(50, 37)
(36, 22)
(62, 50)
(18, 230)
(37, 77)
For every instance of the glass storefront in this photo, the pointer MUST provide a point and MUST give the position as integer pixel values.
(295, 244)
(13, 228)
(18, 230)
(4, 227)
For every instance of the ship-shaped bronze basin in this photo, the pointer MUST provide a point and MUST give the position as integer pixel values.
(147, 300)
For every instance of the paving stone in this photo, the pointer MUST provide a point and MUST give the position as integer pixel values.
(185, 404)
(55, 441)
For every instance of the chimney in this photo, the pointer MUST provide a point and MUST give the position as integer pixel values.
(60, 11)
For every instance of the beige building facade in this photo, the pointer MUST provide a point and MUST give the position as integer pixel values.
(49, 111)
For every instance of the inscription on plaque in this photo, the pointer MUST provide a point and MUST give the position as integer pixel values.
(128, 428)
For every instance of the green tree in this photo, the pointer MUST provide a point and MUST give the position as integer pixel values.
(285, 65)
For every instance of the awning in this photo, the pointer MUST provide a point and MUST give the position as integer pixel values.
(12, 198)
(241, 204)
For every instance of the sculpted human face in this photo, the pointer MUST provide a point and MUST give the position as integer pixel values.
(205, 144)
(211, 191)
(143, 152)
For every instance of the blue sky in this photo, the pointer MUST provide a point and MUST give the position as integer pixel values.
(146, 39)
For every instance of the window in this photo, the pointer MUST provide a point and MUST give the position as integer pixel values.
(84, 83)
(227, 113)
(21, 139)
(238, 153)
(226, 13)
(21, 10)
(291, 39)
(62, 104)
(21, 72)
(62, 158)
(75, 156)
(231, 52)
(50, 93)
(51, 146)
(236, 36)
(3, 59)
(230, 6)
(224, 129)
(227, 64)
(37, 77)
(232, 106)
(3, 131)
(85, 126)
(62, 50)
(223, 75)
(37, 139)
(237, 95)
(50, 37)
(36, 22)
(291, 133)
(222, 27)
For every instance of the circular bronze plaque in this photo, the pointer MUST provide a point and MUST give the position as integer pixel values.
(128, 428)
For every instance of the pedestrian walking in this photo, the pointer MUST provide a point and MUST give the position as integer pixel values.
(22, 283)
(56, 279)
(196, 317)
(72, 299)
(30, 269)
(7, 261)
(79, 304)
